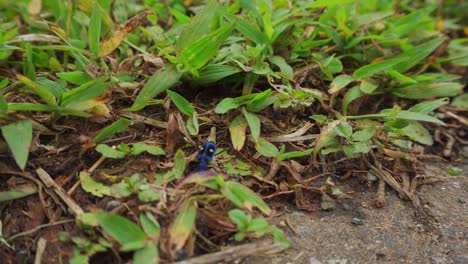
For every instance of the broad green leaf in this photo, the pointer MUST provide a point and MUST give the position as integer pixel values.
(378, 67)
(266, 148)
(109, 152)
(198, 27)
(116, 127)
(356, 149)
(124, 231)
(4, 83)
(429, 90)
(200, 52)
(147, 255)
(75, 77)
(339, 82)
(18, 136)
(94, 30)
(40, 90)
(237, 129)
(416, 54)
(181, 103)
(161, 80)
(327, 3)
(254, 123)
(139, 148)
(90, 185)
(212, 73)
(149, 224)
(183, 224)
(243, 197)
(351, 95)
(294, 154)
(429, 106)
(417, 132)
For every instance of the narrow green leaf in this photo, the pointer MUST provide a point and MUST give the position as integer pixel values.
(109, 152)
(87, 91)
(368, 86)
(179, 164)
(294, 154)
(75, 77)
(254, 123)
(181, 103)
(226, 104)
(212, 73)
(374, 68)
(45, 108)
(3, 104)
(260, 101)
(18, 136)
(327, 3)
(200, 52)
(407, 115)
(40, 90)
(94, 30)
(429, 106)
(416, 54)
(198, 27)
(429, 90)
(161, 80)
(116, 127)
(17, 194)
(124, 231)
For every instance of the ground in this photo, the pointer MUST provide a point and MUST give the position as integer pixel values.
(394, 234)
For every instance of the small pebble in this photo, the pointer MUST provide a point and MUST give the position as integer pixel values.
(462, 200)
(357, 221)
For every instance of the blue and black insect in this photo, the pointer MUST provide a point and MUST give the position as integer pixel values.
(206, 154)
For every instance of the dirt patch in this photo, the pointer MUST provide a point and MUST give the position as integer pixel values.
(358, 232)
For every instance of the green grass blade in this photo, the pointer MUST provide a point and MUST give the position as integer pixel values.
(161, 80)
(94, 30)
(181, 103)
(198, 27)
(374, 68)
(40, 90)
(116, 127)
(200, 52)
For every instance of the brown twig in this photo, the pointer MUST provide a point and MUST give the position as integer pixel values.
(235, 253)
(380, 195)
(38, 228)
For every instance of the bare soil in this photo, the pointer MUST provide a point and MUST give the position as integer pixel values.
(358, 232)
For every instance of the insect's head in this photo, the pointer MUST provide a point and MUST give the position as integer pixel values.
(207, 151)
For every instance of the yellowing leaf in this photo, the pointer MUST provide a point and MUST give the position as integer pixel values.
(237, 129)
